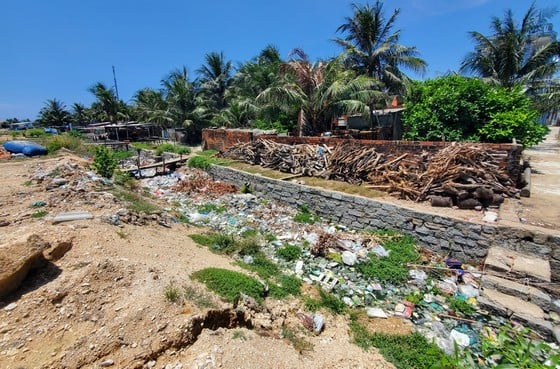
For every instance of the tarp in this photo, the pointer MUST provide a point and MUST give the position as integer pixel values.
(27, 148)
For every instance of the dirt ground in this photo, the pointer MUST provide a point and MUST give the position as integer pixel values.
(102, 303)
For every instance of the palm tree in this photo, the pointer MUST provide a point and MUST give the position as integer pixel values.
(54, 113)
(372, 47)
(179, 95)
(215, 79)
(524, 53)
(79, 114)
(107, 104)
(320, 91)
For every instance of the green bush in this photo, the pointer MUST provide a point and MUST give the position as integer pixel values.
(35, 132)
(200, 162)
(229, 284)
(103, 161)
(289, 252)
(167, 147)
(456, 108)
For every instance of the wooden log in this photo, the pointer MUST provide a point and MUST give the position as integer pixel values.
(441, 201)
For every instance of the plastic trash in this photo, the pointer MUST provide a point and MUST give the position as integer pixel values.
(376, 312)
(418, 275)
(462, 339)
(468, 290)
(380, 251)
(318, 323)
(349, 258)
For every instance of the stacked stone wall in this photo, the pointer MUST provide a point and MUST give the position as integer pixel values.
(468, 241)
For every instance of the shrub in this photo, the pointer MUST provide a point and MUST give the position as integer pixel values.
(103, 162)
(58, 142)
(200, 162)
(35, 132)
(171, 293)
(289, 252)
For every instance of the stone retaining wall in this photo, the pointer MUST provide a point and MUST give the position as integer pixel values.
(467, 241)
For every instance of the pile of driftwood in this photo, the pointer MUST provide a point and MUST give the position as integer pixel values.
(465, 175)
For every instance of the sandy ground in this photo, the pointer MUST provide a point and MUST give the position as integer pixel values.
(542, 209)
(103, 302)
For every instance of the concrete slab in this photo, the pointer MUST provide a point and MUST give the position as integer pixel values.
(524, 292)
(500, 303)
(509, 261)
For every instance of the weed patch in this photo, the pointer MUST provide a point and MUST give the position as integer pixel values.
(201, 300)
(305, 216)
(171, 293)
(326, 300)
(211, 208)
(229, 284)
(289, 252)
(392, 268)
(136, 202)
(39, 214)
(405, 352)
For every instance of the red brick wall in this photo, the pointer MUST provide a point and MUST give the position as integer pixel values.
(508, 154)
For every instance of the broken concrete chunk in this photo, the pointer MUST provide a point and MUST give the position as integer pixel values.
(500, 303)
(525, 292)
(504, 260)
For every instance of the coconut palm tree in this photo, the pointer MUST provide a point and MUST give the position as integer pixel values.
(107, 104)
(215, 79)
(371, 47)
(523, 53)
(320, 91)
(79, 114)
(179, 94)
(54, 113)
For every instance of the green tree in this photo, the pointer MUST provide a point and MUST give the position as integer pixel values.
(54, 113)
(515, 53)
(371, 46)
(456, 108)
(79, 114)
(107, 105)
(319, 91)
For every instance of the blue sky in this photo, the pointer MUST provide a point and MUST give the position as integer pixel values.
(59, 48)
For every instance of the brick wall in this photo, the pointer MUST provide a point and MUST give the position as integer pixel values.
(509, 155)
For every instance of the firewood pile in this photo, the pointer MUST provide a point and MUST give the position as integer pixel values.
(310, 160)
(465, 175)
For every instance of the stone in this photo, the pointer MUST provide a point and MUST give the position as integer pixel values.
(106, 363)
(10, 306)
(504, 260)
(556, 332)
(527, 293)
(376, 313)
(349, 258)
(16, 260)
(555, 306)
(500, 303)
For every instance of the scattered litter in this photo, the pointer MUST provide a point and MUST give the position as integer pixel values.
(460, 338)
(376, 313)
(380, 251)
(72, 215)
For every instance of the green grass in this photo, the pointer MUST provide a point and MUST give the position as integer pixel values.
(211, 208)
(172, 293)
(326, 300)
(300, 344)
(392, 268)
(28, 183)
(305, 216)
(412, 351)
(200, 300)
(289, 252)
(286, 285)
(135, 201)
(122, 154)
(229, 284)
(58, 142)
(219, 243)
(39, 214)
(204, 159)
(171, 148)
(263, 266)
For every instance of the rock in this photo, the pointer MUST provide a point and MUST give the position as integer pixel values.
(10, 306)
(376, 313)
(556, 332)
(349, 258)
(56, 182)
(106, 363)
(17, 260)
(555, 306)
(58, 251)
